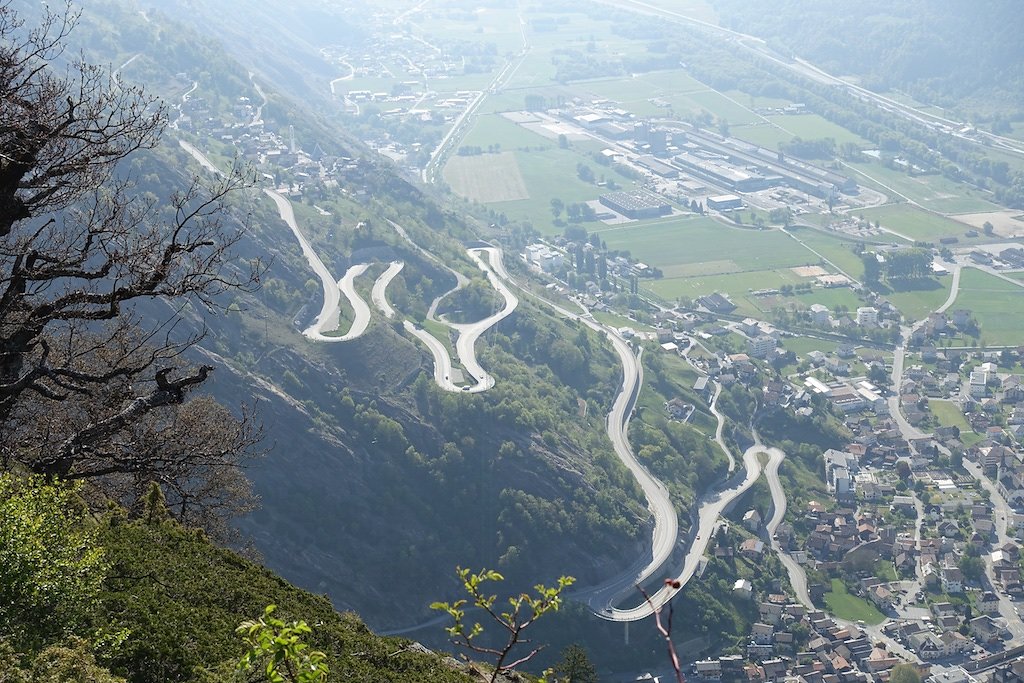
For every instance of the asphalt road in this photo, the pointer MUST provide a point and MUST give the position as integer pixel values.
(469, 333)
(711, 506)
(377, 295)
(330, 311)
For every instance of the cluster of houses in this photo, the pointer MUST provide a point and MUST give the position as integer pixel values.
(939, 325)
(277, 155)
(791, 643)
(991, 400)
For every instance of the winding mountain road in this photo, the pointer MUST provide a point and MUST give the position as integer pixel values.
(330, 311)
(465, 345)
(378, 294)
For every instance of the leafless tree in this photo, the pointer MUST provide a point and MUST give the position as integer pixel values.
(90, 386)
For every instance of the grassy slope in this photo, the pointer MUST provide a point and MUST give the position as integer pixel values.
(181, 598)
(846, 606)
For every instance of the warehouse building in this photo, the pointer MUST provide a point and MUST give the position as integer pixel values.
(637, 204)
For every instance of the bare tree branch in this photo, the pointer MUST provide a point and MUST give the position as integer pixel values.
(89, 387)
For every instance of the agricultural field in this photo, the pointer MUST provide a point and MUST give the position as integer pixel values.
(699, 255)
(927, 295)
(548, 174)
(494, 130)
(486, 178)
(801, 346)
(763, 134)
(933, 192)
(497, 26)
(914, 223)
(997, 305)
(831, 298)
(836, 250)
(675, 245)
(701, 10)
(948, 414)
(772, 130)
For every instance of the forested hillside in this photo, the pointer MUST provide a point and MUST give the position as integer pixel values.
(945, 52)
(359, 445)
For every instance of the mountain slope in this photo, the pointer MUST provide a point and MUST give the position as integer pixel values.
(943, 51)
(376, 482)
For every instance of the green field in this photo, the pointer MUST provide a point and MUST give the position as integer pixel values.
(846, 606)
(974, 279)
(697, 9)
(495, 25)
(814, 127)
(949, 415)
(737, 285)
(801, 346)
(699, 255)
(495, 129)
(917, 304)
(996, 304)
(551, 173)
(757, 101)
(934, 192)
(832, 298)
(700, 239)
(630, 90)
(546, 170)
(913, 222)
(735, 112)
(836, 249)
(772, 131)
(763, 134)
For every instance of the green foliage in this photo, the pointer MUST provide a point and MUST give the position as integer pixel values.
(278, 646)
(66, 663)
(945, 51)
(181, 599)
(524, 610)
(850, 607)
(904, 673)
(476, 301)
(973, 568)
(575, 666)
(823, 148)
(51, 566)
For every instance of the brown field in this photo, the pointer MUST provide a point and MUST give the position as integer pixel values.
(1004, 223)
(809, 271)
(486, 178)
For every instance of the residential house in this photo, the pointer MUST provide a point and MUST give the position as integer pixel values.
(881, 596)
(752, 548)
(762, 634)
(770, 613)
(774, 669)
(985, 629)
(952, 579)
(880, 660)
(955, 643)
(752, 520)
(927, 645)
(839, 469)
(709, 669)
(988, 603)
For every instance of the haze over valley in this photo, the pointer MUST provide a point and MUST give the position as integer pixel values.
(716, 306)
